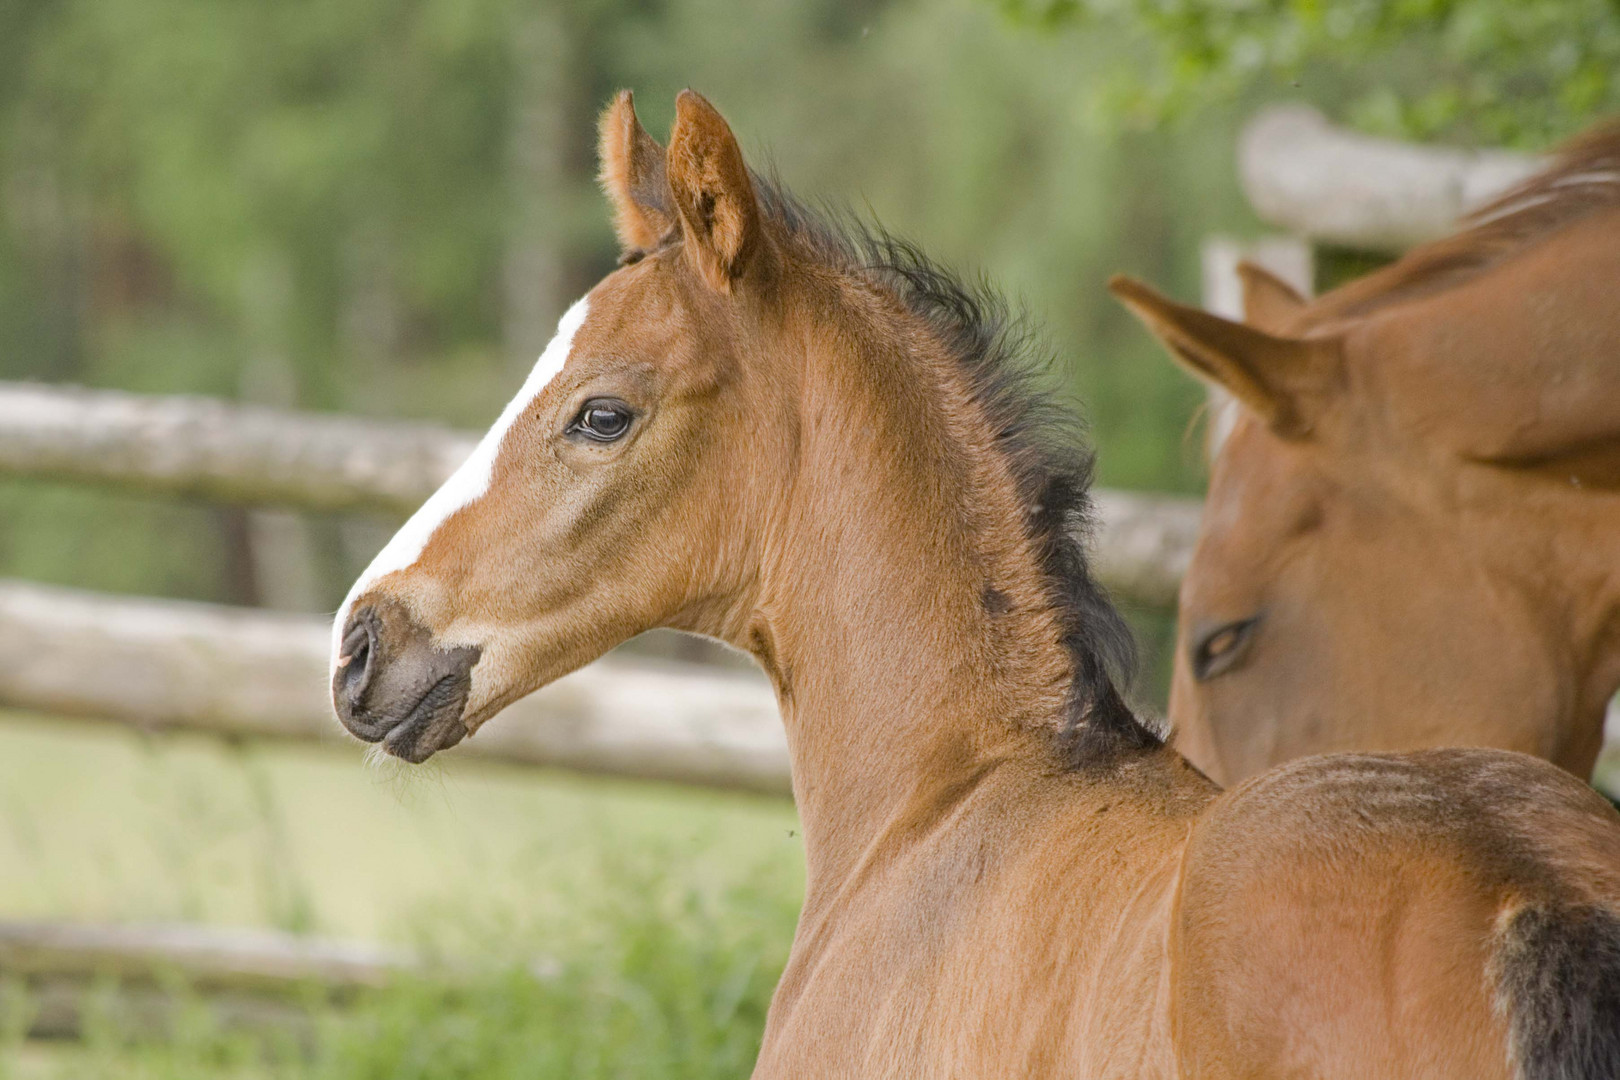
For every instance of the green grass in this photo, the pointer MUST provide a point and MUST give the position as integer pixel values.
(596, 928)
(659, 979)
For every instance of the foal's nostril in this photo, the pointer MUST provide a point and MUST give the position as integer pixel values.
(355, 660)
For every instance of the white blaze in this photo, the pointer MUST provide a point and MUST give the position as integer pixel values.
(467, 483)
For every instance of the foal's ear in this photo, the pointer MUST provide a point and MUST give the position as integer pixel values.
(1286, 381)
(633, 177)
(720, 216)
(1269, 302)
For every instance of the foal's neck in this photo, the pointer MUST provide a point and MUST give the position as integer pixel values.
(903, 614)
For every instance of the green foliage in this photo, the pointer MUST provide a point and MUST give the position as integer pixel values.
(671, 984)
(1510, 72)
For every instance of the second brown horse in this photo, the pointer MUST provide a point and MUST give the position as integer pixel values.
(1412, 531)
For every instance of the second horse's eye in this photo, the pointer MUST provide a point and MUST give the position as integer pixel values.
(1218, 649)
(603, 420)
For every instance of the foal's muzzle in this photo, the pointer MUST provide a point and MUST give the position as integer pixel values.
(393, 686)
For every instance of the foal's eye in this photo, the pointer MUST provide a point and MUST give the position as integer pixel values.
(1220, 648)
(603, 420)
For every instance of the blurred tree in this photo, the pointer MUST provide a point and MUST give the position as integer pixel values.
(1509, 72)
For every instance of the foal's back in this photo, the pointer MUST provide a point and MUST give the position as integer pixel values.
(1402, 915)
(1444, 915)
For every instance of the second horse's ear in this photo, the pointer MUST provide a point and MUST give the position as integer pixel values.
(720, 216)
(634, 178)
(1288, 382)
(1269, 302)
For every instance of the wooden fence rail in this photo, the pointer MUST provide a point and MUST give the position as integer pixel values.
(174, 665)
(1322, 182)
(201, 448)
(208, 449)
(259, 960)
(137, 977)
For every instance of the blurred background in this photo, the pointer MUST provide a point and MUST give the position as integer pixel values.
(380, 207)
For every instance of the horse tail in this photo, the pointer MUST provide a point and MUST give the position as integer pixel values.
(1557, 970)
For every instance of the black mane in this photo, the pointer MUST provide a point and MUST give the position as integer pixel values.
(1001, 358)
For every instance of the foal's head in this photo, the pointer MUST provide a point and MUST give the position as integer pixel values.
(563, 534)
(755, 413)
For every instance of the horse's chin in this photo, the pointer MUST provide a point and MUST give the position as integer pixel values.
(426, 731)
(482, 708)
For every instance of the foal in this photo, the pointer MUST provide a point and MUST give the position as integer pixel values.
(814, 447)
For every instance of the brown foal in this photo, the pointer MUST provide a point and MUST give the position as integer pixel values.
(1412, 530)
(817, 446)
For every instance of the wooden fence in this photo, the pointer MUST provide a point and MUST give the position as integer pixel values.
(177, 665)
(1323, 183)
(61, 974)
